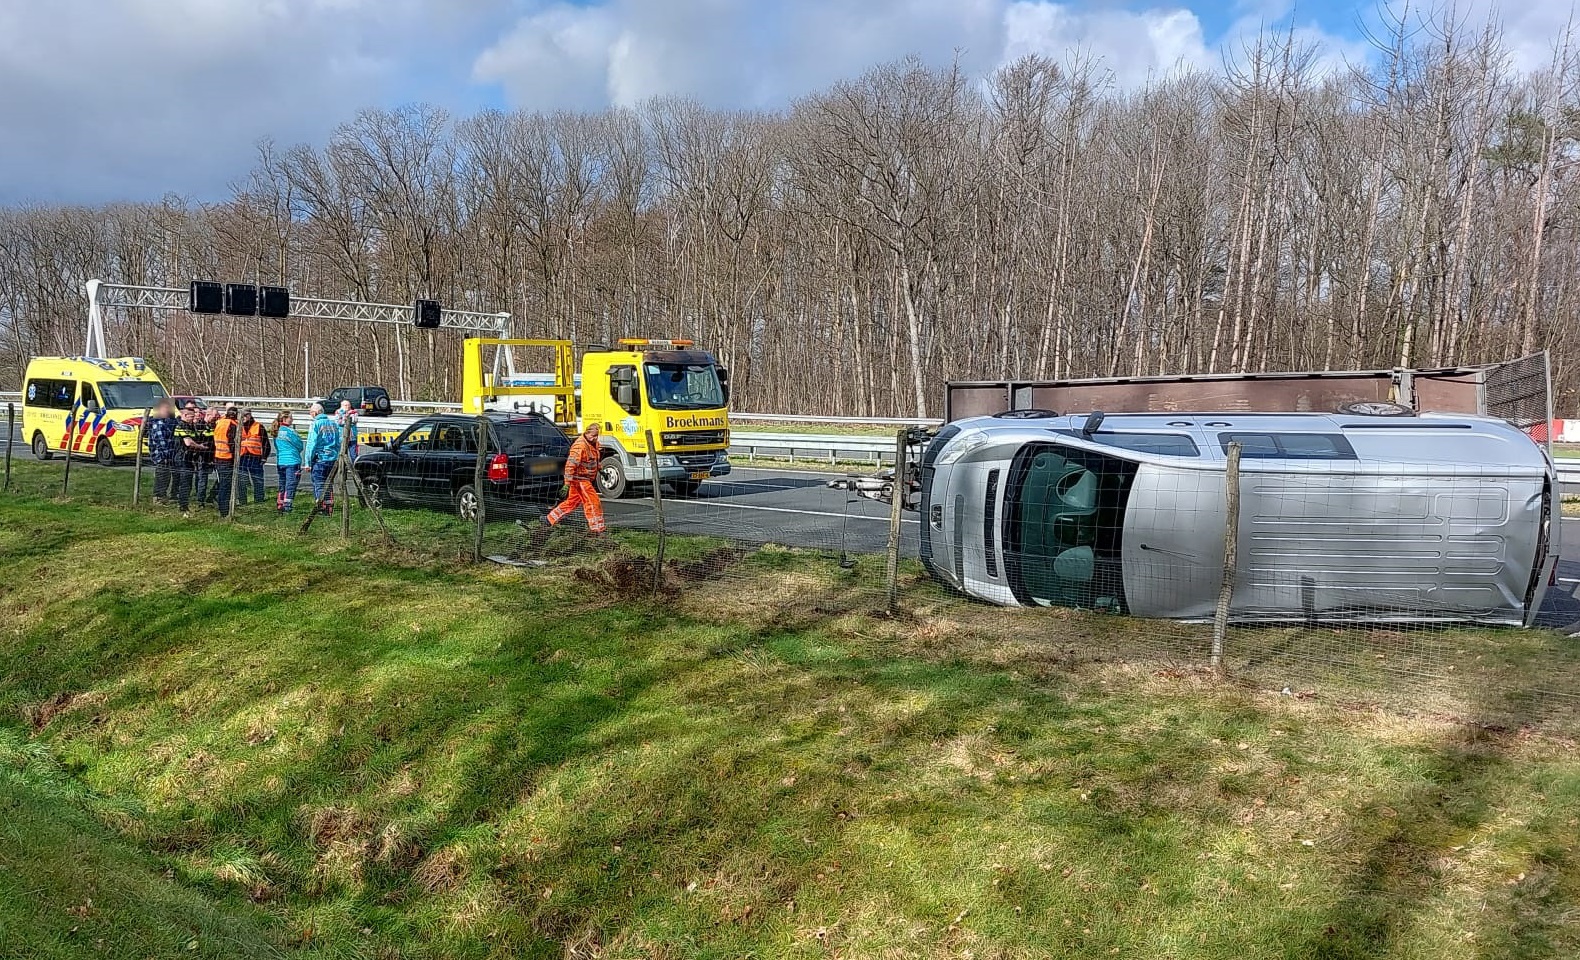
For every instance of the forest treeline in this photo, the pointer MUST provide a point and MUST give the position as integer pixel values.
(852, 252)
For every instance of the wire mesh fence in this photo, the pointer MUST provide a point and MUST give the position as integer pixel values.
(1359, 584)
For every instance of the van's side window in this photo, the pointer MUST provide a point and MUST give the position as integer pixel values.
(58, 394)
(1290, 446)
(1163, 444)
(90, 399)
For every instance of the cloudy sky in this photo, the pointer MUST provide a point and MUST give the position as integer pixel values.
(132, 99)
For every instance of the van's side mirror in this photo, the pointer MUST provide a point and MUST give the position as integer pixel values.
(724, 382)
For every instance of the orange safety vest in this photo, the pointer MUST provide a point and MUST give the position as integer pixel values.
(252, 439)
(582, 464)
(222, 434)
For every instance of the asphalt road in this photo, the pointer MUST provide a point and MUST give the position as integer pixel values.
(797, 508)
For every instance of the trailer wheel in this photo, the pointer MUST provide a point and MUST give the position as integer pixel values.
(1376, 408)
(611, 477)
(41, 449)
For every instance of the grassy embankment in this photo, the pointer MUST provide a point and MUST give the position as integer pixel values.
(223, 741)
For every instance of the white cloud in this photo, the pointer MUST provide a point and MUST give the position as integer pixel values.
(734, 53)
(1131, 45)
(1532, 29)
(118, 99)
(751, 53)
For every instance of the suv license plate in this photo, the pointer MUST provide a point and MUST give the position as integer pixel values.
(701, 474)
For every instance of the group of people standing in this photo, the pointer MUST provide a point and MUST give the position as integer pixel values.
(198, 454)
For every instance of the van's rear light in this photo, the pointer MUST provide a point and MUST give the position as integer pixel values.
(499, 467)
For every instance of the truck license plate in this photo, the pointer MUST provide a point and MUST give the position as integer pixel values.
(701, 475)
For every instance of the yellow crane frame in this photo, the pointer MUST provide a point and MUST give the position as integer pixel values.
(479, 385)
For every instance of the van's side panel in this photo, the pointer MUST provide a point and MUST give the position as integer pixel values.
(1381, 546)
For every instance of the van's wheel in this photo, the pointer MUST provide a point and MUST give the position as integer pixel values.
(685, 488)
(41, 450)
(1376, 408)
(466, 503)
(610, 480)
(104, 453)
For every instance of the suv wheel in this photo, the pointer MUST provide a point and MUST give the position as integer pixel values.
(104, 453)
(372, 491)
(467, 503)
(41, 450)
(611, 477)
(381, 403)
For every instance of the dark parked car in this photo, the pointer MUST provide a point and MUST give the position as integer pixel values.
(433, 464)
(375, 400)
(180, 400)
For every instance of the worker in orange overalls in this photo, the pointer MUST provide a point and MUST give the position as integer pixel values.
(581, 469)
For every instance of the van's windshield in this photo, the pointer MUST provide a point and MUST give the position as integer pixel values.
(1064, 519)
(130, 394)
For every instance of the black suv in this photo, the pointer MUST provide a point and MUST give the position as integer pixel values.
(363, 399)
(433, 463)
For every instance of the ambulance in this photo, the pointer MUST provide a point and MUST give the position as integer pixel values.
(87, 406)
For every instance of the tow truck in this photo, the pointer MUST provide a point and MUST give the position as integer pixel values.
(639, 385)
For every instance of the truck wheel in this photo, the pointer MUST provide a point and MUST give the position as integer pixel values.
(1376, 408)
(611, 477)
(685, 488)
(466, 503)
(41, 449)
(104, 453)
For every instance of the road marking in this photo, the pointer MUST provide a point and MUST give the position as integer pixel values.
(805, 513)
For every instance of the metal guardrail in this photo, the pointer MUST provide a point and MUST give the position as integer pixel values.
(823, 447)
(844, 421)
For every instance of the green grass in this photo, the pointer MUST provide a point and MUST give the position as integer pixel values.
(236, 741)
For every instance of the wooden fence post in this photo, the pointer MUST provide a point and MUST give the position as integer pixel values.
(1231, 543)
(137, 468)
(658, 510)
(896, 499)
(479, 473)
(344, 463)
(10, 432)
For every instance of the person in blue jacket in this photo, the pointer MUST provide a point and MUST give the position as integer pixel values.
(288, 450)
(323, 447)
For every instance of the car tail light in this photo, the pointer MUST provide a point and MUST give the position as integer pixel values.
(499, 467)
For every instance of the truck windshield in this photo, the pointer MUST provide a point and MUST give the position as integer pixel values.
(130, 394)
(683, 386)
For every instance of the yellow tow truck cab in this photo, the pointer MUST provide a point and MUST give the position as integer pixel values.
(87, 405)
(668, 387)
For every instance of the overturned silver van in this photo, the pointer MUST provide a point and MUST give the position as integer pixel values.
(1341, 518)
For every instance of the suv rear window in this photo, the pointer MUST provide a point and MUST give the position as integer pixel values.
(528, 435)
